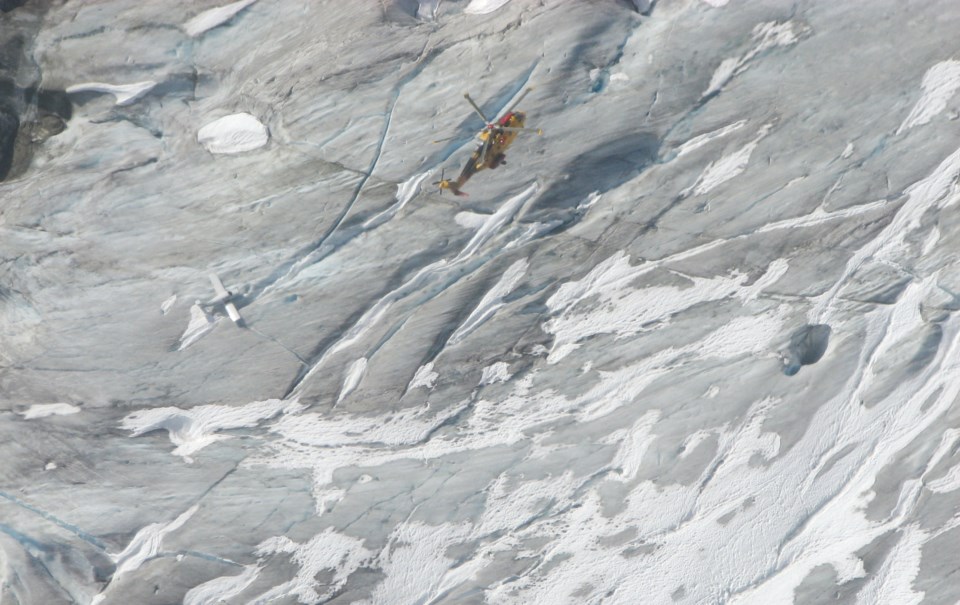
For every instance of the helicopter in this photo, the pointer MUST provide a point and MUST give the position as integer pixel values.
(495, 138)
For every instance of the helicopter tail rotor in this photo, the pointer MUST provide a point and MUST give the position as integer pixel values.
(452, 186)
(449, 185)
(442, 183)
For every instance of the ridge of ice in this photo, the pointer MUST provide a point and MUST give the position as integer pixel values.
(491, 301)
(147, 543)
(42, 410)
(214, 17)
(125, 94)
(701, 140)
(195, 428)
(218, 590)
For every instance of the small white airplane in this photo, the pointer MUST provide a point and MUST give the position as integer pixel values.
(224, 297)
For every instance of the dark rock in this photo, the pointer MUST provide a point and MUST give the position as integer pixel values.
(9, 126)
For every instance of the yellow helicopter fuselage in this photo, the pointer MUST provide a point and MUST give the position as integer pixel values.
(494, 143)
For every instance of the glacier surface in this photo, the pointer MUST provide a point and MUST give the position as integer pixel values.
(698, 343)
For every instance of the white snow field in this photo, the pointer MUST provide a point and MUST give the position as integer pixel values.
(698, 343)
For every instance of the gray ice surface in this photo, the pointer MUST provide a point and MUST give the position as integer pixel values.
(697, 343)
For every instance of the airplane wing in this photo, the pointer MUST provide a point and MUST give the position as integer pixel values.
(223, 297)
(218, 288)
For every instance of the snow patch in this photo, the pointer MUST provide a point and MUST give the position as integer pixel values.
(328, 550)
(219, 590)
(491, 301)
(200, 323)
(893, 582)
(776, 270)
(951, 480)
(634, 443)
(701, 140)
(932, 239)
(125, 94)
(939, 84)
(726, 168)
(591, 200)
(724, 73)
(497, 372)
(168, 304)
(415, 562)
(194, 429)
(493, 222)
(406, 191)
(470, 220)
(482, 7)
(235, 133)
(947, 483)
(352, 378)
(604, 302)
(765, 36)
(335, 434)
(692, 441)
(147, 543)
(214, 17)
(425, 377)
(42, 410)
(938, 190)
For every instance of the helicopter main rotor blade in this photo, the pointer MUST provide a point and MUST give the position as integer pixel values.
(476, 108)
(515, 129)
(444, 140)
(517, 101)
